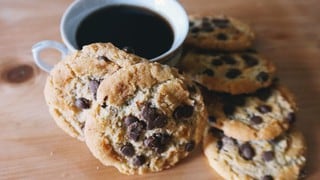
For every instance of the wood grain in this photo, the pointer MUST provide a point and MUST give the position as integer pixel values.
(33, 147)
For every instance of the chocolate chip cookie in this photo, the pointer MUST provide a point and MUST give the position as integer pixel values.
(234, 73)
(281, 158)
(72, 84)
(264, 114)
(219, 33)
(146, 119)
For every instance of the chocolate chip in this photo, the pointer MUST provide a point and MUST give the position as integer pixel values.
(135, 130)
(217, 62)
(128, 49)
(143, 124)
(191, 23)
(93, 86)
(159, 122)
(104, 105)
(291, 118)
(208, 72)
(256, 120)
(82, 103)
(229, 140)
(82, 126)
(158, 142)
(161, 149)
(249, 60)
(262, 77)
(219, 144)
(222, 37)
(246, 151)
(238, 100)
(206, 26)
(264, 94)
(205, 19)
(268, 155)
(153, 118)
(183, 111)
(129, 120)
(267, 177)
(216, 132)
(228, 59)
(103, 58)
(152, 142)
(221, 23)
(189, 146)
(264, 109)
(149, 113)
(164, 138)
(233, 73)
(139, 160)
(207, 29)
(212, 119)
(229, 109)
(276, 140)
(127, 150)
(195, 30)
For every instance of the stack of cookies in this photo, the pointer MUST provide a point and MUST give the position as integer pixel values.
(250, 133)
(142, 117)
(134, 115)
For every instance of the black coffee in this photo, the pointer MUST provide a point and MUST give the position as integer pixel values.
(147, 33)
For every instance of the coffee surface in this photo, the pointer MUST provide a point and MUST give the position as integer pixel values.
(149, 34)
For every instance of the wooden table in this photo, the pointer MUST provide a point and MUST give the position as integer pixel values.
(33, 147)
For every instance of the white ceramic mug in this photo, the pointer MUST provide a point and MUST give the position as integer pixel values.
(171, 10)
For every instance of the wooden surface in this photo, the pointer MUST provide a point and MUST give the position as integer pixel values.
(33, 147)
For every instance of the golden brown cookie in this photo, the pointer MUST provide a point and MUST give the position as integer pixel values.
(107, 51)
(72, 84)
(234, 73)
(147, 118)
(219, 33)
(263, 115)
(280, 159)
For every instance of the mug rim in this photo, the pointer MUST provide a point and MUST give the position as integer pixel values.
(65, 40)
(179, 35)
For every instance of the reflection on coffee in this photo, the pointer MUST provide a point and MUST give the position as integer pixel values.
(149, 34)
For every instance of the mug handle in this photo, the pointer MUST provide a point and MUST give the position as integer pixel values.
(37, 48)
